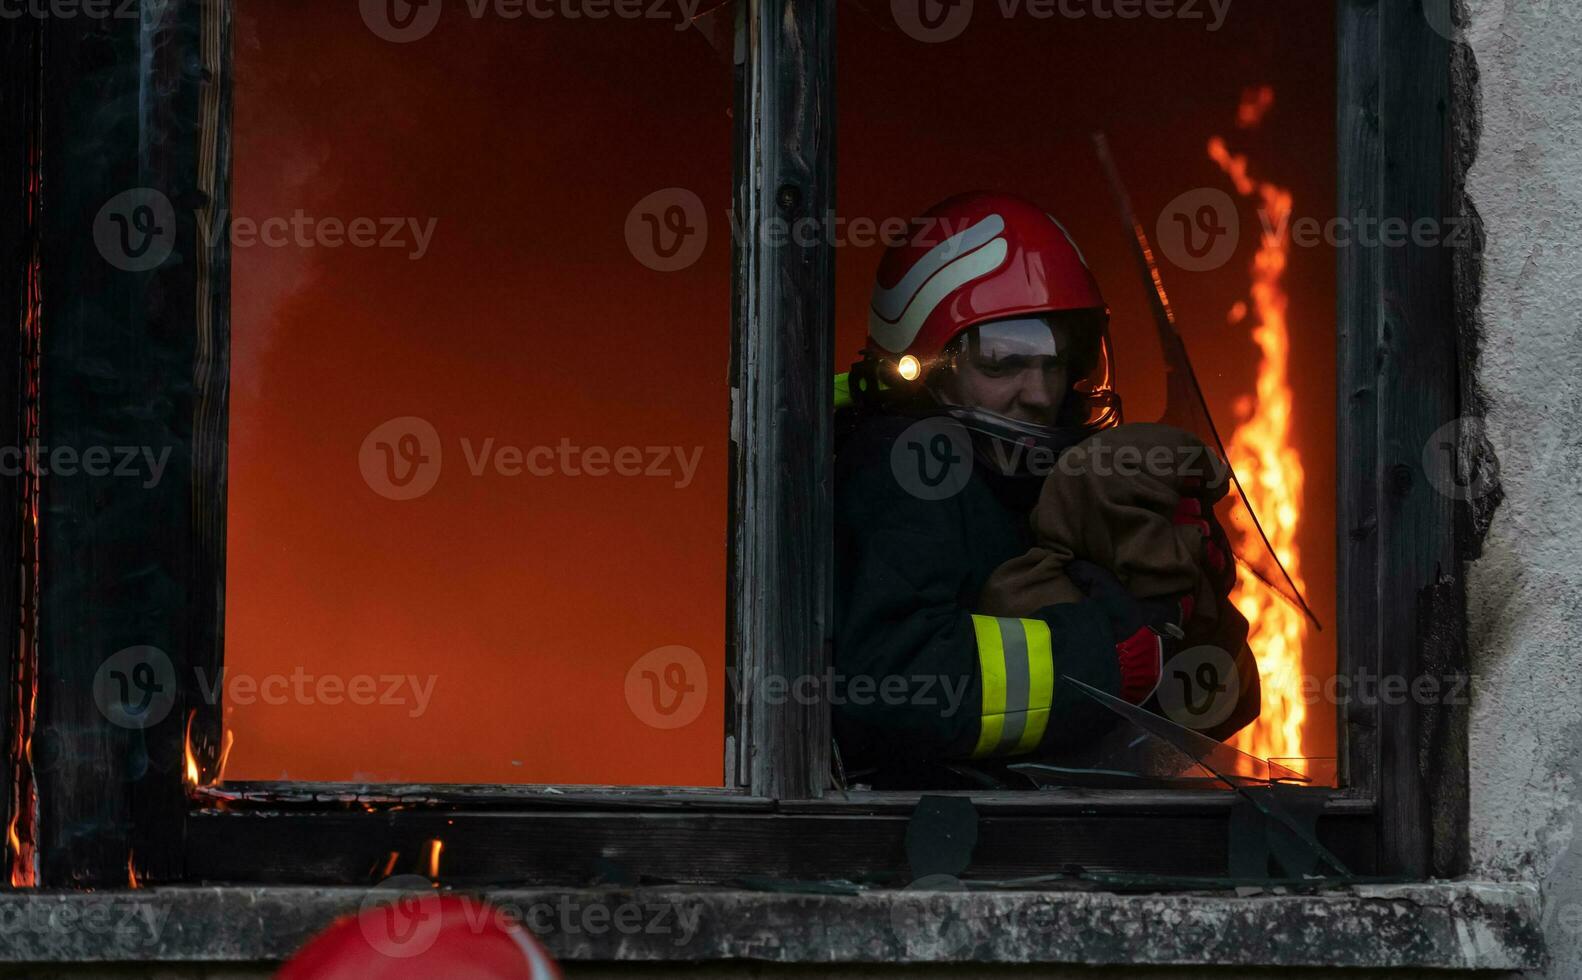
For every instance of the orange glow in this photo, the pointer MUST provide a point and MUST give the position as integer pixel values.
(390, 864)
(131, 872)
(435, 846)
(1270, 471)
(507, 591)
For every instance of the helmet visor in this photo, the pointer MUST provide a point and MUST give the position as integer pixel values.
(1076, 343)
(1001, 342)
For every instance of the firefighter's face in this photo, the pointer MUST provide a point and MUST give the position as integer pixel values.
(1020, 369)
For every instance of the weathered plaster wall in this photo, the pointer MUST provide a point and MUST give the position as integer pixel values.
(1525, 592)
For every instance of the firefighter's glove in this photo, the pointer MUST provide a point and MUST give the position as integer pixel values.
(1145, 630)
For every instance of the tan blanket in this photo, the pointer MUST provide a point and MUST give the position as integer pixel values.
(1111, 500)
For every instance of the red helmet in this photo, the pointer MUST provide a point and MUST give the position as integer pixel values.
(420, 936)
(987, 257)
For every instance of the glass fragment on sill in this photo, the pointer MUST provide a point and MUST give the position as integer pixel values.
(1279, 829)
(1227, 764)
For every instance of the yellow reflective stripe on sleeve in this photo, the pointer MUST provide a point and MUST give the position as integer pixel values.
(991, 665)
(1041, 687)
(1016, 660)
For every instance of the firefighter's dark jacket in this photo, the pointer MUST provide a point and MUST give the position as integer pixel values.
(908, 573)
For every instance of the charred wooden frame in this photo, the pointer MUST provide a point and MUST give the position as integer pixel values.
(19, 107)
(142, 358)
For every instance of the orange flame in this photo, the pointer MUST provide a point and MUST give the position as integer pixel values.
(187, 754)
(1255, 104)
(225, 755)
(1270, 471)
(435, 845)
(19, 878)
(190, 756)
(131, 871)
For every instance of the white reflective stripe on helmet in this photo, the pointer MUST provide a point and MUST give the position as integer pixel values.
(896, 334)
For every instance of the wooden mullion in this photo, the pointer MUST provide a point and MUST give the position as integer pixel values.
(119, 554)
(1359, 317)
(93, 313)
(781, 554)
(20, 38)
(1419, 565)
(210, 152)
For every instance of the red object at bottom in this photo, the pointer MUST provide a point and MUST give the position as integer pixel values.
(420, 936)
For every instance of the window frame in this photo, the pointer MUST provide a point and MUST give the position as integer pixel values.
(144, 357)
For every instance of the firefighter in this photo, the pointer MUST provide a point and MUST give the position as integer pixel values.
(988, 352)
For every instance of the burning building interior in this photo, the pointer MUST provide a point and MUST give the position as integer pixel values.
(549, 581)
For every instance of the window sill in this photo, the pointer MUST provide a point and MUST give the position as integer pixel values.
(1462, 925)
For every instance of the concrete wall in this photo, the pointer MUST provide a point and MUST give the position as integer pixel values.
(1525, 592)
